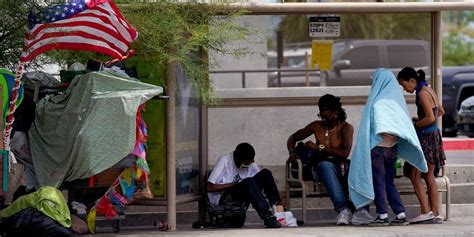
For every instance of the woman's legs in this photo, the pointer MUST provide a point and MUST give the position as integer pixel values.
(415, 177)
(432, 189)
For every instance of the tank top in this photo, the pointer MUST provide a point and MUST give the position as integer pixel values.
(421, 113)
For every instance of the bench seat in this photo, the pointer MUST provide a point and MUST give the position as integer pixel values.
(317, 188)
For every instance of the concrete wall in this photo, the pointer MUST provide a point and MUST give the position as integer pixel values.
(267, 117)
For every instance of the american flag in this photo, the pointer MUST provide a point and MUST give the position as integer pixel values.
(92, 25)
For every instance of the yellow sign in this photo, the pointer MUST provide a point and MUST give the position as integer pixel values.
(321, 54)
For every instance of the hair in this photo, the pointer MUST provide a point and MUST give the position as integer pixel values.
(408, 72)
(333, 103)
(244, 152)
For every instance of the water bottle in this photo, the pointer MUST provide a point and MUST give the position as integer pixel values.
(398, 168)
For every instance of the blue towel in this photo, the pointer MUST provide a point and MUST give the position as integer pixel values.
(386, 111)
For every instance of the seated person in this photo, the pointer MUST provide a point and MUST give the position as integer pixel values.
(330, 151)
(236, 175)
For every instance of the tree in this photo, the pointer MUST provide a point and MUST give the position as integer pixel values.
(458, 39)
(168, 32)
(185, 33)
(12, 29)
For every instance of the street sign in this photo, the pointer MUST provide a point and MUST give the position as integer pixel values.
(324, 26)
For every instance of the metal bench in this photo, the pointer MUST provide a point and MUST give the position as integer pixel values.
(317, 188)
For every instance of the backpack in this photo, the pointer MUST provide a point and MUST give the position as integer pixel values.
(304, 154)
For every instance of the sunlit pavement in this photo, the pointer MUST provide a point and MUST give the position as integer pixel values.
(455, 227)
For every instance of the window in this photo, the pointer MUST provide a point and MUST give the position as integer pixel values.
(400, 56)
(365, 57)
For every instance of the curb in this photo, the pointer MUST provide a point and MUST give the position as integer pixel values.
(458, 144)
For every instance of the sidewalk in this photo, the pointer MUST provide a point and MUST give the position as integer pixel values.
(459, 227)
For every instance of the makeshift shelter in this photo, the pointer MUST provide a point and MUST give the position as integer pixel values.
(88, 129)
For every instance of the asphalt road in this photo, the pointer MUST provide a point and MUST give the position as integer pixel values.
(465, 157)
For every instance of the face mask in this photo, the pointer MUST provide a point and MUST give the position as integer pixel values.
(244, 166)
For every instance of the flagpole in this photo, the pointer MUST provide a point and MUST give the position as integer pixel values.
(10, 118)
(8, 126)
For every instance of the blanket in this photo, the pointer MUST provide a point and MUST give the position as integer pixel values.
(386, 111)
(88, 129)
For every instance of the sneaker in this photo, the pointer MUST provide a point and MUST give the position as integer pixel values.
(380, 222)
(438, 220)
(361, 217)
(422, 217)
(344, 217)
(400, 221)
(271, 222)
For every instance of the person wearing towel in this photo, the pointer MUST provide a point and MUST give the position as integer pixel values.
(385, 132)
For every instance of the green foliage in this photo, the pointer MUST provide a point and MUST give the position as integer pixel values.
(12, 29)
(456, 50)
(458, 39)
(185, 33)
(168, 32)
(176, 32)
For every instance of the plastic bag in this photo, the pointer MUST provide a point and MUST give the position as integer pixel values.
(286, 218)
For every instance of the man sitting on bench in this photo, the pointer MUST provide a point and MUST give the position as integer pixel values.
(236, 175)
(329, 151)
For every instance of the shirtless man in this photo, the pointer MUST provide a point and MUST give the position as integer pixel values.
(330, 151)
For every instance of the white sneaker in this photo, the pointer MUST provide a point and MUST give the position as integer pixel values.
(344, 217)
(362, 217)
(423, 217)
(438, 219)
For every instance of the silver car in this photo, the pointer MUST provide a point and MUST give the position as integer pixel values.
(466, 117)
(353, 62)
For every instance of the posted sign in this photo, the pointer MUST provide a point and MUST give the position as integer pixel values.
(321, 54)
(324, 26)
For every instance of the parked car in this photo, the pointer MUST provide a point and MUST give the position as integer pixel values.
(353, 62)
(466, 117)
(458, 84)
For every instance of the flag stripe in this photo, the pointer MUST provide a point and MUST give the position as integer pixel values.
(93, 16)
(92, 28)
(90, 35)
(123, 31)
(122, 20)
(76, 42)
(89, 16)
(93, 25)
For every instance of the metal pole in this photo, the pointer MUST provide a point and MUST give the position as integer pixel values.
(203, 161)
(171, 145)
(323, 79)
(350, 7)
(280, 55)
(243, 79)
(306, 65)
(437, 57)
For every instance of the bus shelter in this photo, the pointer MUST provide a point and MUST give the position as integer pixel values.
(201, 115)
